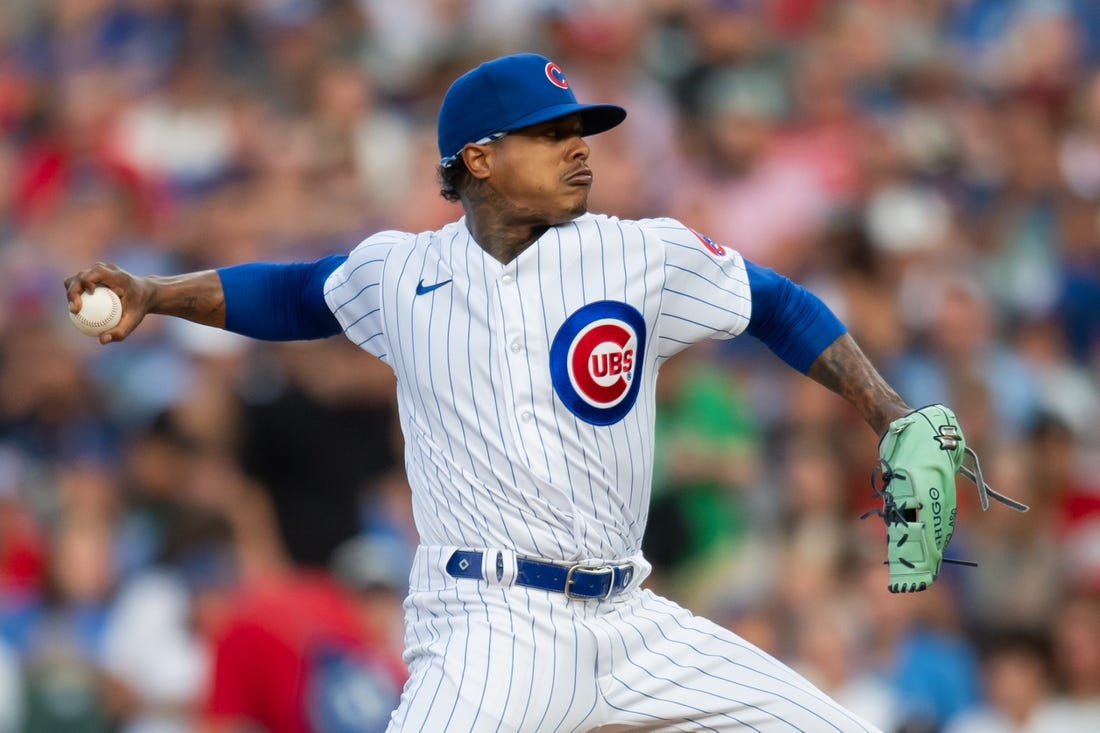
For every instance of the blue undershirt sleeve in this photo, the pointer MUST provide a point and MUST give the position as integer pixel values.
(788, 319)
(279, 302)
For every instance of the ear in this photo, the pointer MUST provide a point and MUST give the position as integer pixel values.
(478, 160)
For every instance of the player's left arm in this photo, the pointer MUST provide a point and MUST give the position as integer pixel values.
(920, 451)
(846, 370)
(796, 325)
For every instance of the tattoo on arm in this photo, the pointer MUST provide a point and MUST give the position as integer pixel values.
(195, 296)
(846, 370)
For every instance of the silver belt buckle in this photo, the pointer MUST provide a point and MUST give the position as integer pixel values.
(589, 569)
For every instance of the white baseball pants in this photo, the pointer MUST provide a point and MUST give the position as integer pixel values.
(492, 656)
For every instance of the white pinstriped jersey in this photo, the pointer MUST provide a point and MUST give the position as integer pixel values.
(526, 390)
(527, 399)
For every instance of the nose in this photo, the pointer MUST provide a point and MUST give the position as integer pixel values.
(580, 149)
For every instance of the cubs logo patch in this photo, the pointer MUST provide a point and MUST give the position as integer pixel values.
(556, 76)
(596, 361)
(713, 247)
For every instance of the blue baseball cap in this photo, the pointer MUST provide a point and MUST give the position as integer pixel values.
(508, 93)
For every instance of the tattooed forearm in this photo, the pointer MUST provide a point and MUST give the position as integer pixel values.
(190, 305)
(844, 369)
(196, 296)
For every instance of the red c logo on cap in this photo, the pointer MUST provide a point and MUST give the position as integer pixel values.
(556, 76)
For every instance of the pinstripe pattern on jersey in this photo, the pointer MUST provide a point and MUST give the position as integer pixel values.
(550, 664)
(353, 292)
(493, 457)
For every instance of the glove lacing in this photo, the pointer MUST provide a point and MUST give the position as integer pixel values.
(891, 514)
(984, 490)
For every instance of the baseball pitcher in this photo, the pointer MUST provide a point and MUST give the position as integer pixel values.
(526, 338)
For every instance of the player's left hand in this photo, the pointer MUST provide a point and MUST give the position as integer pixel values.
(919, 456)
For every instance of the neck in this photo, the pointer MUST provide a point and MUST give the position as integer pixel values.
(501, 228)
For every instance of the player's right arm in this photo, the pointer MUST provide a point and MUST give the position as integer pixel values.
(196, 296)
(279, 302)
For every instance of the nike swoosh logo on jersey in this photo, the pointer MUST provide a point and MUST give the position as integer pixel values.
(422, 289)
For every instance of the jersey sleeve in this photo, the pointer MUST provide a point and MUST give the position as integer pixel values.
(279, 302)
(706, 288)
(353, 292)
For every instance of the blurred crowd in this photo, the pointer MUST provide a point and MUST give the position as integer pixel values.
(204, 533)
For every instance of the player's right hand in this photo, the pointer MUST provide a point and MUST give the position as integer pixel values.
(134, 292)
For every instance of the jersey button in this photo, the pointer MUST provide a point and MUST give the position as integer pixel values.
(507, 279)
(516, 347)
(525, 416)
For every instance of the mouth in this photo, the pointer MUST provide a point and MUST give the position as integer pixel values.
(580, 177)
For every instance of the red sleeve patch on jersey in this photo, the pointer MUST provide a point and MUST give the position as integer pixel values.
(713, 247)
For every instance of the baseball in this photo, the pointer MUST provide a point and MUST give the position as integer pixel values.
(100, 310)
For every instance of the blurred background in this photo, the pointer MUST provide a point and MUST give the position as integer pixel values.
(203, 533)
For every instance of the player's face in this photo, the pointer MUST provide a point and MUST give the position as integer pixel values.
(543, 170)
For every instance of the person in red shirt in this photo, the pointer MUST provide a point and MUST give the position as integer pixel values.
(296, 656)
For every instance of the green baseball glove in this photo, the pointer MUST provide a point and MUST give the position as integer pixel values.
(918, 459)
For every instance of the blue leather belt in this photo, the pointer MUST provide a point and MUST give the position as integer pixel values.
(582, 582)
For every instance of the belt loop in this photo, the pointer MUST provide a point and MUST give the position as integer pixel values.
(505, 561)
(641, 568)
